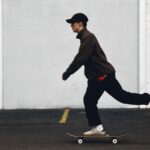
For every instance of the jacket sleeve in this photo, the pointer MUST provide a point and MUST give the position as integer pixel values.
(85, 50)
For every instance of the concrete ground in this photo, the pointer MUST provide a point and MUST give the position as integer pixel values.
(42, 130)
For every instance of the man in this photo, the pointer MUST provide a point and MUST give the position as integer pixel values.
(100, 74)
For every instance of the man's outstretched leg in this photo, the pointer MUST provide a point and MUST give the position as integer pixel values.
(113, 87)
(91, 98)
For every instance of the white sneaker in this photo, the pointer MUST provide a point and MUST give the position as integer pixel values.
(95, 131)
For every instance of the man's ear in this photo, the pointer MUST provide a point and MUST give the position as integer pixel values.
(81, 23)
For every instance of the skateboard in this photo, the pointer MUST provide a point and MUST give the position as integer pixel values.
(113, 138)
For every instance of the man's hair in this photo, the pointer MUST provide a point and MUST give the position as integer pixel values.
(83, 22)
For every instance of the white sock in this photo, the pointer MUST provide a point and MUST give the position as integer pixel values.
(99, 127)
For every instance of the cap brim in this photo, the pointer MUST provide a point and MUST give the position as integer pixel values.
(69, 20)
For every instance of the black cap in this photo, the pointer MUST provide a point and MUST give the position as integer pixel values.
(78, 17)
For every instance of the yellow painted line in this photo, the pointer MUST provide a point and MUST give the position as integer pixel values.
(64, 116)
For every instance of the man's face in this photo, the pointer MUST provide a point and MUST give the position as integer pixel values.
(76, 26)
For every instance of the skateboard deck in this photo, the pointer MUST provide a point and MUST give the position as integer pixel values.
(113, 138)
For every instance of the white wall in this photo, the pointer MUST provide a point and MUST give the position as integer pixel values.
(1, 57)
(147, 46)
(38, 45)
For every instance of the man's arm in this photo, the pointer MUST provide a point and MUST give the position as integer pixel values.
(85, 51)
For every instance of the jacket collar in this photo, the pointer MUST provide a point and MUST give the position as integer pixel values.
(80, 34)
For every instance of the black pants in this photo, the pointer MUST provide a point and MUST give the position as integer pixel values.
(111, 85)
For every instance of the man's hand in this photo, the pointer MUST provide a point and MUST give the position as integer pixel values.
(64, 76)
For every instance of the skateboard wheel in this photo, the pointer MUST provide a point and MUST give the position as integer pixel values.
(114, 141)
(80, 141)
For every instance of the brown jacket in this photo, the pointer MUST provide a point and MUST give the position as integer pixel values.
(90, 55)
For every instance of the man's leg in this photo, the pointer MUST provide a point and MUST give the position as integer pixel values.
(113, 87)
(91, 97)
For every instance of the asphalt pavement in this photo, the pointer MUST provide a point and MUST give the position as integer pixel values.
(46, 129)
